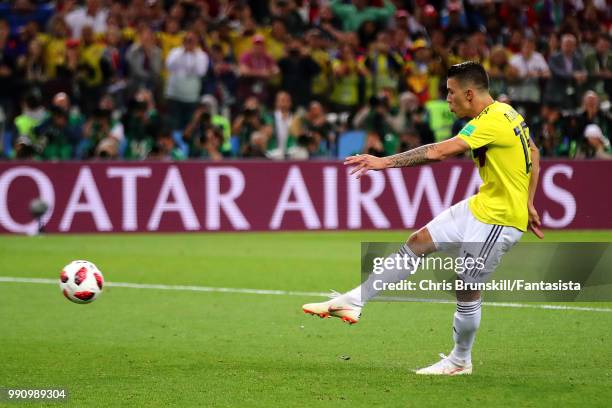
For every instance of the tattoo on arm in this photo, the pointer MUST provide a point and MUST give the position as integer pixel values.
(414, 157)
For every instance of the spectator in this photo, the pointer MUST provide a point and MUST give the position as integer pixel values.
(553, 45)
(223, 76)
(400, 42)
(243, 41)
(347, 74)
(62, 101)
(480, 42)
(56, 135)
(252, 119)
(220, 37)
(102, 133)
(373, 144)
(23, 13)
(597, 142)
(599, 67)
(196, 130)
(144, 60)
(31, 66)
(529, 68)
(329, 25)
(464, 50)
(405, 20)
(454, 20)
(409, 139)
(156, 14)
(277, 38)
(212, 144)
(422, 74)
(204, 118)
(93, 70)
(298, 70)
(114, 60)
(355, 14)
(256, 145)
(256, 69)
(7, 72)
(32, 114)
(186, 66)
(499, 71)
(568, 75)
(438, 116)
(282, 138)
(55, 47)
(171, 36)
(199, 26)
(430, 18)
(141, 124)
(421, 124)
(119, 14)
(218, 120)
(402, 121)
(286, 10)
(549, 133)
(596, 139)
(385, 65)
(321, 84)
(91, 15)
(67, 71)
(164, 148)
(107, 148)
(588, 39)
(315, 135)
(375, 117)
(367, 34)
(515, 42)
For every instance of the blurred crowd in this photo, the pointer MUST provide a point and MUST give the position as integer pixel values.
(291, 79)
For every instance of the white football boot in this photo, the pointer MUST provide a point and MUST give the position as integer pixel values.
(337, 306)
(446, 366)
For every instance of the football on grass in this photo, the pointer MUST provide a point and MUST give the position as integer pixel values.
(81, 281)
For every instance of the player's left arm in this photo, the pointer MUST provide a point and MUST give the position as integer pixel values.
(534, 218)
(429, 153)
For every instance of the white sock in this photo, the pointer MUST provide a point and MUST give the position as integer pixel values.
(366, 291)
(465, 325)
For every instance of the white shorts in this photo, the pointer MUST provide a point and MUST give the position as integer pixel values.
(457, 230)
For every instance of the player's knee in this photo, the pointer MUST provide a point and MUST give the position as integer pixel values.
(420, 242)
(468, 295)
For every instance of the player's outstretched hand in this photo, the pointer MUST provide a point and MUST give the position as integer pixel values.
(365, 162)
(534, 222)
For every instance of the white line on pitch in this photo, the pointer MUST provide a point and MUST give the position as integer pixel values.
(10, 279)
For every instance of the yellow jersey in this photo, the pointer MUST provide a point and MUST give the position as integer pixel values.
(499, 139)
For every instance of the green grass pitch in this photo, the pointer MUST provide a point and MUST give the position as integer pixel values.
(148, 347)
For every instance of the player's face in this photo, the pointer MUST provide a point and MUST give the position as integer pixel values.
(456, 98)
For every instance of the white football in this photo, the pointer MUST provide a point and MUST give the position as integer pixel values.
(81, 281)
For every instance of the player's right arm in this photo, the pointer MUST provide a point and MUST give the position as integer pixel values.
(429, 153)
(534, 218)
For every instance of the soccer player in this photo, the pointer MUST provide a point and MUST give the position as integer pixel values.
(493, 220)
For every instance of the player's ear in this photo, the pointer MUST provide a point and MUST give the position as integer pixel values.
(469, 94)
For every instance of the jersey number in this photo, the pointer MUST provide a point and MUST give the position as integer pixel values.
(522, 132)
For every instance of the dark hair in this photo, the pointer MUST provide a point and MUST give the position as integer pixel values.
(164, 130)
(470, 72)
(33, 99)
(603, 36)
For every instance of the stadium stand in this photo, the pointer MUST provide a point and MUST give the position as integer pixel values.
(201, 79)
